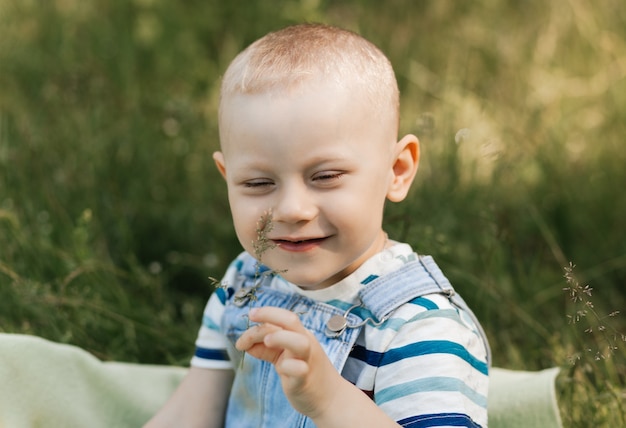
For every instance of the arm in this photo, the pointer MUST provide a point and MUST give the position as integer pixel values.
(349, 406)
(434, 369)
(199, 401)
(309, 380)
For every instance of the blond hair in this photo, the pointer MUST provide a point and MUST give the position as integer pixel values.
(285, 60)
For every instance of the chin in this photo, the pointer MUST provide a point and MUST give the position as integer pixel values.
(306, 283)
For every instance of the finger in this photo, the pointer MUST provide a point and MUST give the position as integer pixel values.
(255, 335)
(283, 318)
(297, 344)
(293, 368)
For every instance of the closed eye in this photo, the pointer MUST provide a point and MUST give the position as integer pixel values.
(328, 178)
(257, 183)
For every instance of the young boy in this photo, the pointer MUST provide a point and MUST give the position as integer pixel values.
(323, 321)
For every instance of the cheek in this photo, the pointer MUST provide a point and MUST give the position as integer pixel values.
(358, 208)
(369, 195)
(245, 233)
(244, 219)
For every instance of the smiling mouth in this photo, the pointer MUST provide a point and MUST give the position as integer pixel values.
(297, 241)
(298, 245)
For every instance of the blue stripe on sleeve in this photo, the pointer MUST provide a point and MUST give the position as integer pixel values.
(208, 323)
(429, 384)
(437, 420)
(396, 323)
(361, 353)
(425, 303)
(212, 354)
(378, 359)
(369, 279)
(221, 293)
(433, 347)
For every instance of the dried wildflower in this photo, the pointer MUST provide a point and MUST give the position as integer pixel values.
(262, 242)
(585, 310)
(217, 283)
(260, 245)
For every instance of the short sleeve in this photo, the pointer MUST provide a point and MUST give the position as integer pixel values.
(211, 345)
(434, 370)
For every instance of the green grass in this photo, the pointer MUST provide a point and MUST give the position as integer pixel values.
(112, 216)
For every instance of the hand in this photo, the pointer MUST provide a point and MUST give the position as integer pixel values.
(308, 378)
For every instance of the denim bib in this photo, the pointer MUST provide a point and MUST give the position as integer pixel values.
(257, 398)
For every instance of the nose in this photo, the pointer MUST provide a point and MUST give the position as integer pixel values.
(295, 204)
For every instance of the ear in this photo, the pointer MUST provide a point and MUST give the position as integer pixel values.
(218, 157)
(405, 166)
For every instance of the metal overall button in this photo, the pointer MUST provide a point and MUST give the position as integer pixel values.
(337, 324)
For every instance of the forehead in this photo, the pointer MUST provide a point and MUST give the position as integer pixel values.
(311, 109)
(316, 105)
(327, 116)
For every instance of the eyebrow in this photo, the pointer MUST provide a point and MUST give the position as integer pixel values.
(254, 166)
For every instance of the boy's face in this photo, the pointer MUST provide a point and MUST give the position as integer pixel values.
(322, 165)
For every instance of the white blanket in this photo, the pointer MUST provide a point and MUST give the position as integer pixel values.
(47, 384)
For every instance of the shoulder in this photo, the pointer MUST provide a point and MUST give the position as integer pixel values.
(423, 318)
(244, 262)
(245, 271)
(244, 266)
(434, 311)
(241, 268)
(433, 325)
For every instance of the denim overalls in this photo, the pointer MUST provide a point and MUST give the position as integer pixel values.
(257, 399)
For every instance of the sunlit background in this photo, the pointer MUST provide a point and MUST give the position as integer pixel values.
(112, 216)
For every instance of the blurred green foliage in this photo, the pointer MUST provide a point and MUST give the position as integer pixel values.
(112, 215)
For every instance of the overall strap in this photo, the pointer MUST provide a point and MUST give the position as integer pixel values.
(382, 295)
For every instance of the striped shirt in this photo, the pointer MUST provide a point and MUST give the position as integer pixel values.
(425, 365)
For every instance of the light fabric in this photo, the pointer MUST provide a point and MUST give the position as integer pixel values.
(414, 349)
(49, 385)
(520, 399)
(52, 385)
